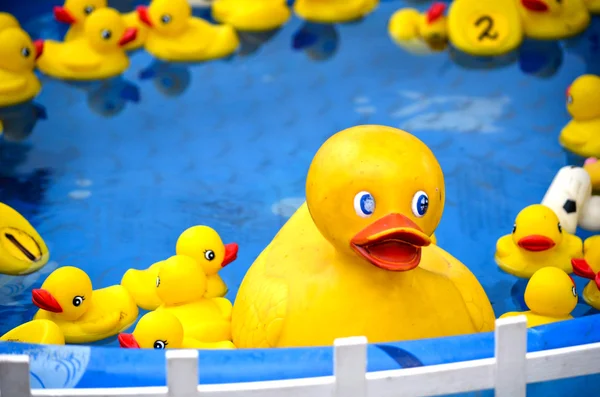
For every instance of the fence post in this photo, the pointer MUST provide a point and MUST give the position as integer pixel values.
(350, 366)
(511, 357)
(14, 376)
(182, 373)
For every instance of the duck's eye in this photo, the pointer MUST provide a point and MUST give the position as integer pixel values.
(26, 52)
(209, 255)
(157, 281)
(514, 228)
(574, 291)
(88, 10)
(78, 300)
(570, 99)
(364, 204)
(106, 34)
(420, 203)
(160, 344)
(559, 228)
(165, 19)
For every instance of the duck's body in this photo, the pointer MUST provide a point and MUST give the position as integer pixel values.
(408, 25)
(17, 88)
(42, 332)
(535, 320)
(141, 284)
(553, 20)
(580, 137)
(334, 11)
(251, 15)
(593, 6)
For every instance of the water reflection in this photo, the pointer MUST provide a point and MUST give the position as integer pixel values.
(473, 62)
(540, 58)
(251, 42)
(170, 79)
(587, 46)
(18, 122)
(319, 41)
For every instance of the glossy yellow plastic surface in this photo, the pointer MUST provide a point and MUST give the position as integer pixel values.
(334, 11)
(553, 20)
(485, 27)
(99, 54)
(537, 241)
(141, 285)
(176, 36)
(22, 249)
(251, 15)
(550, 296)
(407, 25)
(42, 332)
(593, 6)
(8, 21)
(591, 248)
(310, 286)
(592, 166)
(580, 135)
(84, 315)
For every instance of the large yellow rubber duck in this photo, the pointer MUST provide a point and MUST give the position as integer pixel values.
(8, 21)
(589, 268)
(41, 332)
(176, 36)
(334, 11)
(550, 296)
(84, 315)
(537, 241)
(408, 24)
(553, 19)
(162, 330)
(99, 54)
(18, 54)
(356, 258)
(485, 27)
(22, 249)
(251, 15)
(181, 285)
(75, 12)
(593, 6)
(580, 136)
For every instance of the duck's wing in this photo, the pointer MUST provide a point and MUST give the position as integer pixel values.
(101, 324)
(11, 83)
(78, 57)
(225, 307)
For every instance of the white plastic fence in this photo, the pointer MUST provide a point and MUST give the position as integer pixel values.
(508, 373)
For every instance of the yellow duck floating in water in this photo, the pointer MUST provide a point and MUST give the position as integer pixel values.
(550, 296)
(99, 54)
(356, 258)
(251, 15)
(162, 330)
(75, 12)
(41, 332)
(537, 241)
(334, 11)
(22, 249)
(408, 24)
(176, 36)
(589, 268)
(84, 315)
(553, 19)
(580, 136)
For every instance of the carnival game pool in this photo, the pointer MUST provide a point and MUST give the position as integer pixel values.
(113, 172)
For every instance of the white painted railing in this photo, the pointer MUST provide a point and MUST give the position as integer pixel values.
(508, 373)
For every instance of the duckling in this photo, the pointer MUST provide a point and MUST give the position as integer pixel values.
(75, 12)
(589, 268)
(99, 54)
(42, 332)
(251, 15)
(18, 54)
(334, 11)
(22, 249)
(84, 315)
(580, 134)
(176, 36)
(537, 241)
(408, 24)
(550, 296)
(181, 285)
(593, 6)
(162, 330)
(8, 21)
(553, 19)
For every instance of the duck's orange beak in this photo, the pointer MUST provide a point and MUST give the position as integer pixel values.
(129, 35)
(128, 341)
(231, 251)
(143, 15)
(536, 243)
(393, 243)
(535, 5)
(62, 15)
(45, 301)
(39, 48)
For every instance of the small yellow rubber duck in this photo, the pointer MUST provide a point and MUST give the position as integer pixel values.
(75, 12)
(537, 241)
(176, 36)
(593, 6)
(251, 15)
(99, 54)
(589, 268)
(334, 11)
(553, 19)
(18, 54)
(22, 249)
(550, 296)
(41, 332)
(181, 285)
(8, 21)
(485, 27)
(84, 315)
(408, 24)
(580, 136)
(162, 330)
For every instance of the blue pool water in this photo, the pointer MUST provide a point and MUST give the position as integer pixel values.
(112, 172)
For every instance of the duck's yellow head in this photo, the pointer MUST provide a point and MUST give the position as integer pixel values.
(76, 11)
(67, 292)
(167, 17)
(8, 21)
(543, 7)
(583, 97)
(22, 249)
(433, 27)
(377, 192)
(205, 245)
(551, 292)
(106, 30)
(537, 229)
(17, 52)
(155, 330)
(180, 280)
